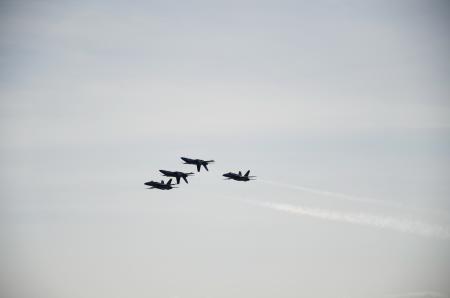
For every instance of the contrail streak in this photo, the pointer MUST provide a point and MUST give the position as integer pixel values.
(349, 197)
(378, 221)
(322, 192)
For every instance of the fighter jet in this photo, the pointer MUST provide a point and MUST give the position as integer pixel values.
(238, 176)
(197, 162)
(160, 185)
(176, 175)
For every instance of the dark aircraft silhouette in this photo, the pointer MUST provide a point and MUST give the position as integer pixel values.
(160, 185)
(197, 162)
(238, 176)
(176, 175)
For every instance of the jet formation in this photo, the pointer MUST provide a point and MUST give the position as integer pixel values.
(198, 163)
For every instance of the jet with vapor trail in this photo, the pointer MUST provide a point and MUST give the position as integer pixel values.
(160, 185)
(238, 176)
(197, 162)
(177, 175)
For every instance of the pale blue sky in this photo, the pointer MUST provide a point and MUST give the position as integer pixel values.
(339, 107)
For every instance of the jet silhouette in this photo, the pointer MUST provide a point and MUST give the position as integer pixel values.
(197, 162)
(160, 185)
(238, 176)
(176, 175)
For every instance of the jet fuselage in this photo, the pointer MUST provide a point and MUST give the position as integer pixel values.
(177, 175)
(160, 185)
(236, 177)
(197, 162)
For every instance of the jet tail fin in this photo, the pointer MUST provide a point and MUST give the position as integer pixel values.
(169, 182)
(248, 173)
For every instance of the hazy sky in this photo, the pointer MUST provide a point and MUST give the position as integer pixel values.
(341, 108)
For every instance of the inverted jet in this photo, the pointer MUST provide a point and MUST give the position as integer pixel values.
(160, 185)
(177, 175)
(238, 176)
(197, 162)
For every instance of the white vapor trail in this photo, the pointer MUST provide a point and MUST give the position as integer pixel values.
(348, 197)
(378, 221)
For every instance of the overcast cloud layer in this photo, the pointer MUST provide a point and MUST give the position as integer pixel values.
(342, 97)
